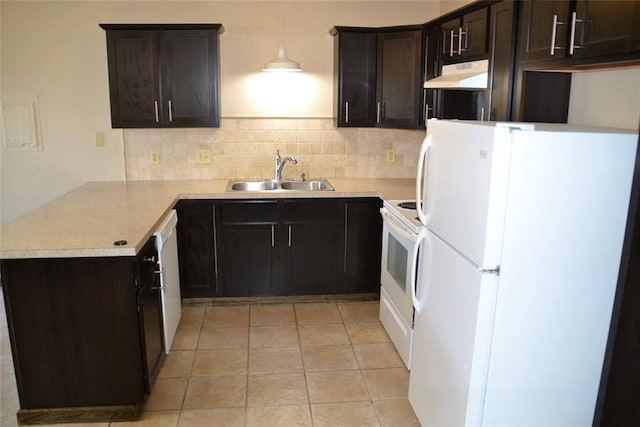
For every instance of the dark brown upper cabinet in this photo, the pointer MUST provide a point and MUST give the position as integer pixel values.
(378, 76)
(433, 66)
(465, 38)
(501, 61)
(355, 78)
(164, 75)
(605, 28)
(400, 99)
(583, 29)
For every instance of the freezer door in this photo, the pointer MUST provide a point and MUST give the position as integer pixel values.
(465, 187)
(450, 353)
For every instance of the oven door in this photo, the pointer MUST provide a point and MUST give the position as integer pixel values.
(397, 275)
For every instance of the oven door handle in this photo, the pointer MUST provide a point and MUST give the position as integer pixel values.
(422, 215)
(395, 227)
(417, 304)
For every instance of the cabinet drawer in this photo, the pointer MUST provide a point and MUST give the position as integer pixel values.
(249, 211)
(311, 210)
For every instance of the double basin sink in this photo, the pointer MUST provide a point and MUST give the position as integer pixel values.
(320, 184)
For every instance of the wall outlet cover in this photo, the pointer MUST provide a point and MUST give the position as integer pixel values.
(155, 157)
(203, 157)
(391, 155)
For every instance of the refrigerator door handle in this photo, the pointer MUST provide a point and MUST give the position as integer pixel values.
(420, 204)
(417, 304)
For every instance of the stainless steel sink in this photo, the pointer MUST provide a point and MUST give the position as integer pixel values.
(252, 186)
(319, 184)
(311, 185)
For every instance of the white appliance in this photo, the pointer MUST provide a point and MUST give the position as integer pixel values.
(167, 245)
(401, 236)
(517, 271)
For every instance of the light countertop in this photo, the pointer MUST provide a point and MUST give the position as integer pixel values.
(88, 220)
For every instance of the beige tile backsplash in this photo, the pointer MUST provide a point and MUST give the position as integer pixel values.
(245, 148)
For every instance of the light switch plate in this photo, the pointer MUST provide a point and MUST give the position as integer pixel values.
(98, 139)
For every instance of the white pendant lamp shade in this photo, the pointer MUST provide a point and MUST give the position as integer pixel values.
(282, 62)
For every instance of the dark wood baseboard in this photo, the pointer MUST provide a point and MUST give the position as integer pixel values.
(366, 296)
(89, 414)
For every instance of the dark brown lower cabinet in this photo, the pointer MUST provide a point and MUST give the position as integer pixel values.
(311, 245)
(363, 245)
(298, 246)
(196, 248)
(248, 257)
(77, 336)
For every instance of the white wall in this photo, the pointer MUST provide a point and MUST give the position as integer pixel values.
(55, 50)
(606, 98)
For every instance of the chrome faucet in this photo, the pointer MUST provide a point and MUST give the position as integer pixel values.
(280, 164)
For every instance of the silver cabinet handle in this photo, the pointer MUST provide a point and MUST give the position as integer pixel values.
(155, 107)
(346, 224)
(426, 107)
(151, 259)
(451, 47)
(273, 235)
(572, 44)
(170, 113)
(215, 246)
(460, 33)
(554, 34)
(346, 111)
(482, 114)
(289, 236)
(378, 113)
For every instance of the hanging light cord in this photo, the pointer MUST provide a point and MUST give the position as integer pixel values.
(282, 23)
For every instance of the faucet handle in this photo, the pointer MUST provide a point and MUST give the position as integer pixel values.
(303, 177)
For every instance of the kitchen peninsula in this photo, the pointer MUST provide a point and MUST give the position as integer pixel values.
(71, 291)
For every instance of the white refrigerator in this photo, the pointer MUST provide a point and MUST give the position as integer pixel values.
(524, 228)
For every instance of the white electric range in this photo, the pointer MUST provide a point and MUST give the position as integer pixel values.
(401, 235)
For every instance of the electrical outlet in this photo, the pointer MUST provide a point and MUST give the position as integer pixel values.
(391, 155)
(98, 139)
(203, 157)
(155, 157)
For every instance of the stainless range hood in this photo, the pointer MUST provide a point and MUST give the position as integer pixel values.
(472, 75)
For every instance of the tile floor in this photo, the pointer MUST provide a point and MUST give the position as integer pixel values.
(303, 364)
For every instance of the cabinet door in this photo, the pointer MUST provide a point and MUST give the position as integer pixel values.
(502, 62)
(356, 79)
(541, 40)
(150, 308)
(465, 38)
(133, 77)
(74, 332)
(400, 74)
(606, 28)
(189, 64)
(248, 256)
(474, 34)
(311, 246)
(450, 34)
(432, 69)
(363, 245)
(196, 249)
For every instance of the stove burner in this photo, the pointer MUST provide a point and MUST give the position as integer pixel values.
(407, 205)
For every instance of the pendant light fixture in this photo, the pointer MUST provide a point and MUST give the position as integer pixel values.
(282, 63)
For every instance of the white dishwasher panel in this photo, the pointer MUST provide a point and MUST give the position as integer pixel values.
(167, 244)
